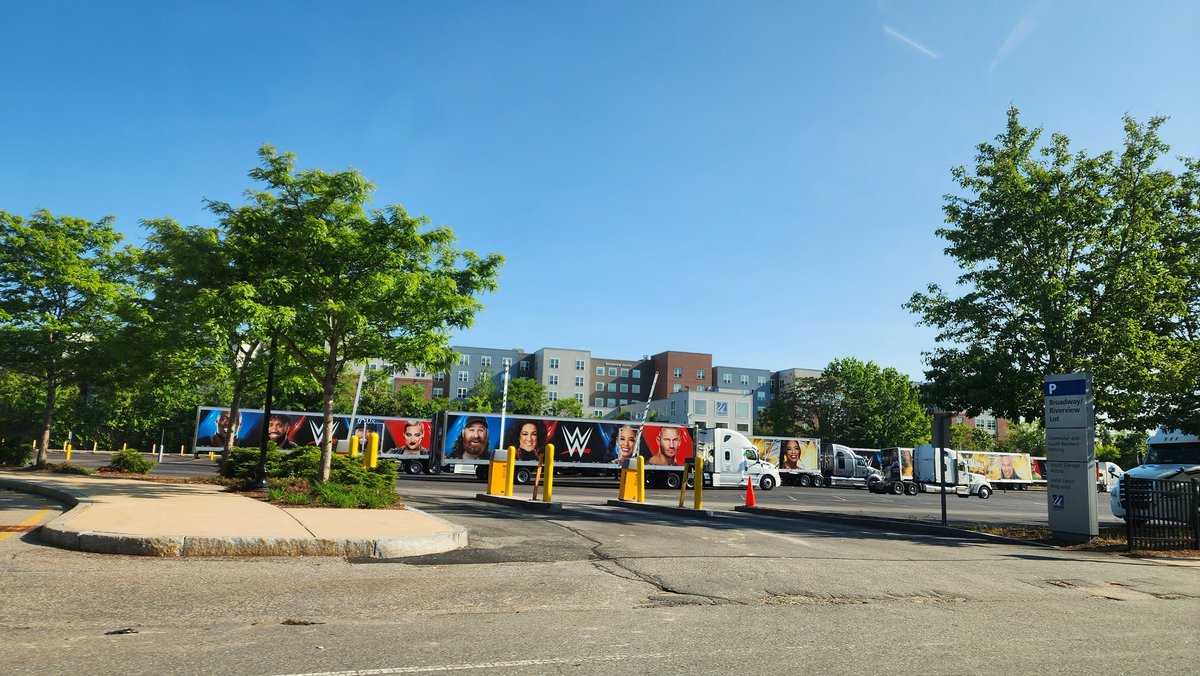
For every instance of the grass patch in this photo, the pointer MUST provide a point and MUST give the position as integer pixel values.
(297, 491)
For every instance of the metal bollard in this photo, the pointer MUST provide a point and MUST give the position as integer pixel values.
(372, 455)
(354, 446)
(549, 451)
(511, 462)
(641, 480)
(698, 475)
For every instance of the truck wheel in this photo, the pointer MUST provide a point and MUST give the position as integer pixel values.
(433, 469)
(522, 475)
(767, 482)
(804, 480)
(673, 480)
(984, 492)
(911, 489)
(691, 482)
(897, 488)
(415, 467)
(481, 472)
(818, 481)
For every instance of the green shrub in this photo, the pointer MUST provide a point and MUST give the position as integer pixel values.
(292, 491)
(243, 462)
(333, 494)
(69, 468)
(130, 460)
(15, 454)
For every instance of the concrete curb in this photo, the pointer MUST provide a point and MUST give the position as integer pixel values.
(904, 526)
(537, 505)
(57, 532)
(651, 507)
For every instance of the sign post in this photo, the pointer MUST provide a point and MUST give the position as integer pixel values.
(1070, 456)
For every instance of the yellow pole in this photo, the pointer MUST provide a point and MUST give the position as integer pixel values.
(210, 456)
(180, 448)
(94, 444)
(549, 473)
(641, 488)
(372, 450)
(511, 461)
(124, 446)
(153, 448)
(67, 448)
(698, 493)
(353, 445)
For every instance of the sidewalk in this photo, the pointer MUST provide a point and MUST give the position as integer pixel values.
(127, 516)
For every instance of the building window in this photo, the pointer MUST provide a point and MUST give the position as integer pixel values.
(599, 401)
(958, 420)
(676, 387)
(464, 360)
(745, 391)
(624, 373)
(506, 362)
(419, 373)
(700, 407)
(578, 381)
(612, 387)
(624, 401)
(699, 374)
(762, 380)
(438, 392)
(637, 389)
(726, 378)
(741, 410)
(579, 397)
(553, 362)
(624, 387)
(760, 395)
(637, 373)
(524, 364)
(678, 373)
(462, 376)
(439, 376)
(485, 361)
(612, 403)
(579, 365)
(599, 370)
(462, 393)
(612, 371)
(721, 408)
(672, 408)
(745, 380)
(599, 387)
(743, 427)
(700, 388)
(552, 379)
(552, 395)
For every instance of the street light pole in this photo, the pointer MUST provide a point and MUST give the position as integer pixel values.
(260, 473)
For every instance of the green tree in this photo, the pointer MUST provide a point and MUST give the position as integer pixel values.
(1070, 263)
(966, 438)
(565, 408)
(349, 284)
(526, 396)
(853, 403)
(1024, 438)
(62, 280)
(484, 395)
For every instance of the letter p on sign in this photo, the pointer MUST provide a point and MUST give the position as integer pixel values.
(1051, 387)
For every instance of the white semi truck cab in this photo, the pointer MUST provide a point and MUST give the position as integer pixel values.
(731, 459)
(927, 473)
(1170, 456)
(841, 466)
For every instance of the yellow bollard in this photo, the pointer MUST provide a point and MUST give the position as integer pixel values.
(181, 449)
(549, 451)
(373, 450)
(124, 446)
(509, 471)
(67, 448)
(94, 444)
(211, 457)
(698, 491)
(153, 448)
(354, 446)
(641, 479)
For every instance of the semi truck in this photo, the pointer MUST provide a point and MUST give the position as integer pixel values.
(1170, 456)
(919, 470)
(730, 460)
(1004, 470)
(803, 461)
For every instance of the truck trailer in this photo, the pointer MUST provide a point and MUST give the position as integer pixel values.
(919, 470)
(803, 461)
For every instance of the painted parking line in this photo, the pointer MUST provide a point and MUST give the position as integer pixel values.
(23, 527)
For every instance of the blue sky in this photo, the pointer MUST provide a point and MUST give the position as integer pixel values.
(758, 180)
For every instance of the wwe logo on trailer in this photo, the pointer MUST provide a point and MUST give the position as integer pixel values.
(577, 439)
(317, 429)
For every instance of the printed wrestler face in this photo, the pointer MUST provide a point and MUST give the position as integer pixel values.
(668, 442)
(791, 449)
(413, 433)
(475, 437)
(528, 437)
(223, 422)
(625, 439)
(1006, 466)
(276, 428)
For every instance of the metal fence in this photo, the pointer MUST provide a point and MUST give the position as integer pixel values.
(1161, 514)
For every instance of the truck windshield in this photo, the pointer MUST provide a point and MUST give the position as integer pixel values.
(1174, 454)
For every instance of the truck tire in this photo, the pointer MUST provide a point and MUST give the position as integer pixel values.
(691, 481)
(415, 467)
(984, 492)
(673, 480)
(911, 489)
(818, 481)
(481, 472)
(433, 469)
(522, 475)
(766, 482)
(804, 480)
(898, 488)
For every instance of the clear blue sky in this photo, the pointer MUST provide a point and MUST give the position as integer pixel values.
(761, 179)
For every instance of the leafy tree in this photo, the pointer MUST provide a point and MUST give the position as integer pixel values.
(526, 396)
(966, 438)
(351, 285)
(1024, 438)
(61, 282)
(565, 408)
(1070, 263)
(484, 395)
(854, 403)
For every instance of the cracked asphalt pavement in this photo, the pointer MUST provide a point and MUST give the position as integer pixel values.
(600, 589)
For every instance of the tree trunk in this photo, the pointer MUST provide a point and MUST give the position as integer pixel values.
(235, 425)
(328, 387)
(47, 419)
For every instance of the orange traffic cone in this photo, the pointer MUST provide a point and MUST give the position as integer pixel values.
(750, 492)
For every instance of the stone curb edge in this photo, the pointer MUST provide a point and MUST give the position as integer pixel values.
(665, 509)
(536, 505)
(56, 532)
